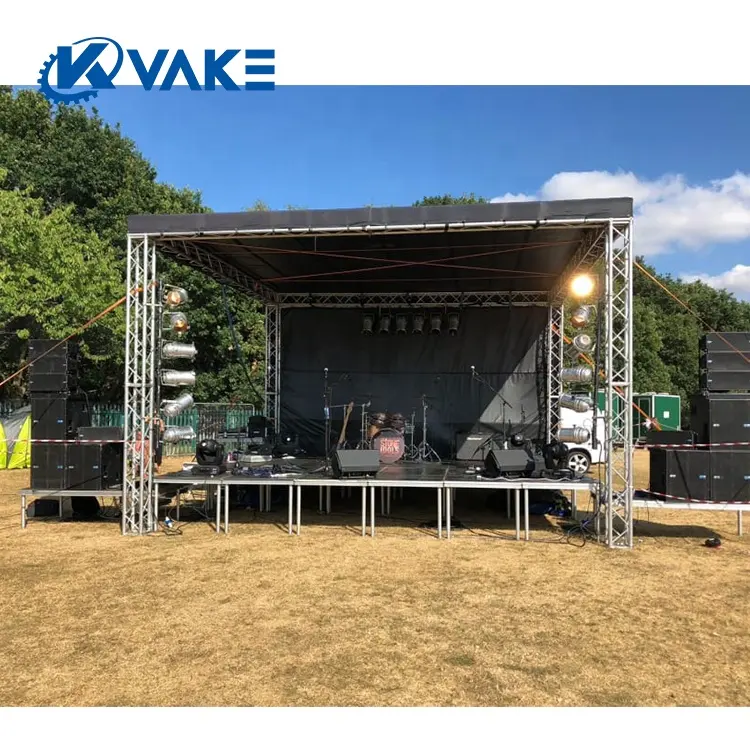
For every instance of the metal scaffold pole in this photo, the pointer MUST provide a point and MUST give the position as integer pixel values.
(141, 338)
(618, 410)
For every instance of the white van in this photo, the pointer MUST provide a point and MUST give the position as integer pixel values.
(583, 456)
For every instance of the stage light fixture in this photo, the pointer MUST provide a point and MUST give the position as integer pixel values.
(176, 434)
(577, 435)
(368, 323)
(175, 296)
(176, 350)
(385, 324)
(580, 374)
(582, 316)
(436, 322)
(178, 322)
(401, 322)
(453, 321)
(582, 286)
(417, 323)
(583, 343)
(579, 404)
(209, 453)
(177, 406)
(177, 377)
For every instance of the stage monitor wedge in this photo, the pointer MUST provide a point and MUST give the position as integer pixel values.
(508, 461)
(348, 464)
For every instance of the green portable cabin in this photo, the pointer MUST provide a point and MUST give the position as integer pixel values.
(664, 408)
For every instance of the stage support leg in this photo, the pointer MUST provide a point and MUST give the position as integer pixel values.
(382, 501)
(291, 504)
(388, 501)
(320, 499)
(299, 508)
(217, 499)
(739, 523)
(226, 509)
(526, 513)
(372, 511)
(448, 510)
(518, 513)
(328, 499)
(364, 511)
(440, 512)
(24, 507)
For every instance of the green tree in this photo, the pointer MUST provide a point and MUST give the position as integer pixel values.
(72, 160)
(48, 261)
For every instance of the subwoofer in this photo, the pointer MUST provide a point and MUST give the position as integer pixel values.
(348, 464)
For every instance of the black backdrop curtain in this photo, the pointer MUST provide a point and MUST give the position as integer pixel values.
(393, 371)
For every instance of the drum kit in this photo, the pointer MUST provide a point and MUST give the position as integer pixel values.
(392, 434)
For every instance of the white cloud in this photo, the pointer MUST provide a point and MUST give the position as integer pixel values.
(736, 280)
(670, 212)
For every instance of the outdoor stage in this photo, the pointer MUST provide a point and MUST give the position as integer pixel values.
(445, 479)
(448, 319)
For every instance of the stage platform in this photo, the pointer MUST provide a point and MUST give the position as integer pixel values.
(444, 478)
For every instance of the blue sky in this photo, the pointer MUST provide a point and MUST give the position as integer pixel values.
(322, 147)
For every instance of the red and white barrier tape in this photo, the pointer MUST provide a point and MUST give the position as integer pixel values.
(691, 445)
(70, 442)
(697, 502)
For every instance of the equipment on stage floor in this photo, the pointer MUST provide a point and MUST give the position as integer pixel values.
(509, 462)
(390, 445)
(258, 430)
(721, 418)
(555, 455)
(725, 361)
(680, 473)
(209, 453)
(473, 446)
(352, 464)
(670, 437)
(425, 452)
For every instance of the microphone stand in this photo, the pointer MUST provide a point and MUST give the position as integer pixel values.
(475, 375)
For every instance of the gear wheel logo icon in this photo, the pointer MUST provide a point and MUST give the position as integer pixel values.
(85, 66)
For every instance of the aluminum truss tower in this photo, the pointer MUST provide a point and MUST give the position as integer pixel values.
(143, 318)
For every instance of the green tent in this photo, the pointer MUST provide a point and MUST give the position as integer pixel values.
(15, 436)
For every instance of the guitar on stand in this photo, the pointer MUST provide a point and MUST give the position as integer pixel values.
(342, 435)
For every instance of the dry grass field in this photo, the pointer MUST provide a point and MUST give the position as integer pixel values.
(258, 618)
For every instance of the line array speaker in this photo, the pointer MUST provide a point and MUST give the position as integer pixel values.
(723, 341)
(680, 473)
(670, 437)
(56, 370)
(76, 467)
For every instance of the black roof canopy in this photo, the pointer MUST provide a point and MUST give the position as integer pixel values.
(492, 247)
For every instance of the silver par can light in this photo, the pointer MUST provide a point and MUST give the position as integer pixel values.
(178, 405)
(178, 434)
(578, 404)
(177, 377)
(577, 435)
(177, 350)
(580, 374)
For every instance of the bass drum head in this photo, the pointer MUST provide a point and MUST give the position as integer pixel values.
(390, 445)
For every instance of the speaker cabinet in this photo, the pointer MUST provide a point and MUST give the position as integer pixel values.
(473, 446)
(721, 418)
(718, 381)
(350, 464)
(730, 475)
(682, 473)
(725, 341)
(101, 433)
(52, 370)
(670, 437)
(94, 467)
(48, 467)
(55, 416)
(508, 461)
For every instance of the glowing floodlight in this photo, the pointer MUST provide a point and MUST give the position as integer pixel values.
(582, 286)
(178, 322)
(175, 296)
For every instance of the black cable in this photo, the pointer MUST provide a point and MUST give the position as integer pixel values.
(237, 348)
